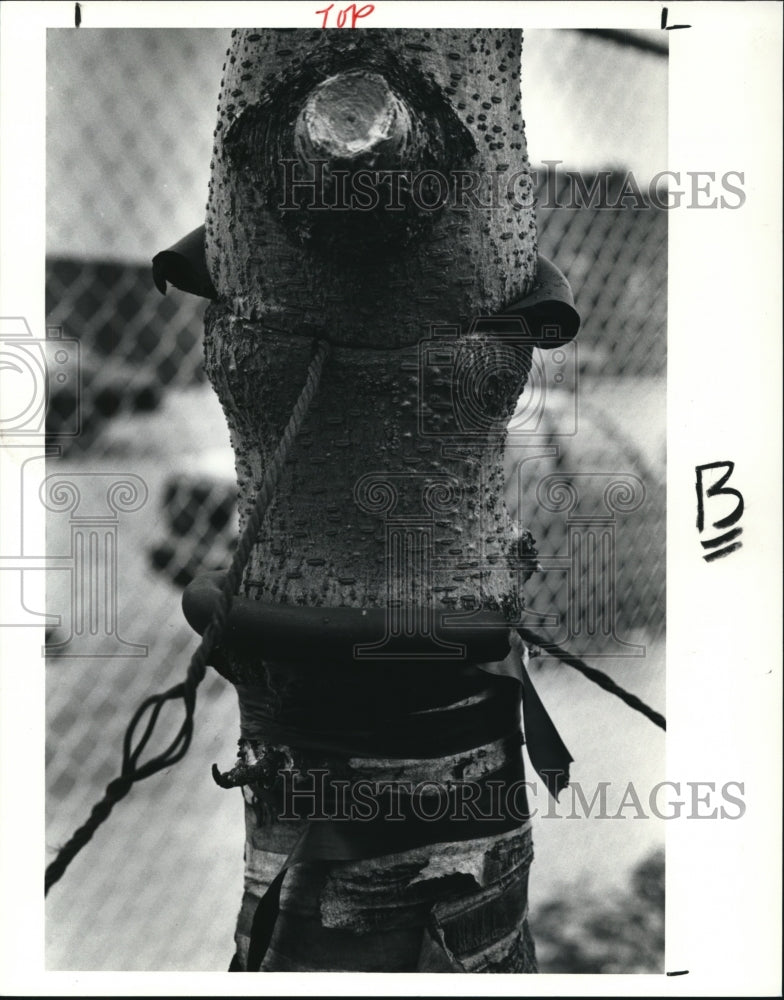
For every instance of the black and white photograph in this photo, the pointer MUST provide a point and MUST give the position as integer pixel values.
(391, 478)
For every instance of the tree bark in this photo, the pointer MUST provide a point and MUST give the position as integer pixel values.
(392, 496)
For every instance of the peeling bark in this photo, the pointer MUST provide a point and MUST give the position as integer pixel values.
(388, 440)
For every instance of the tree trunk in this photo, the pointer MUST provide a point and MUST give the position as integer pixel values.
(392, 497)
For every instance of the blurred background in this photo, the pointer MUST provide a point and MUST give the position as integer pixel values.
(130, 119)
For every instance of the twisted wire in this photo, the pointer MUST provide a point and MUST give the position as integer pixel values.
(132, 771)
(597, 676)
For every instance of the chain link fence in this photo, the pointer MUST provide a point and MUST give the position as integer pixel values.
(130, 124)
